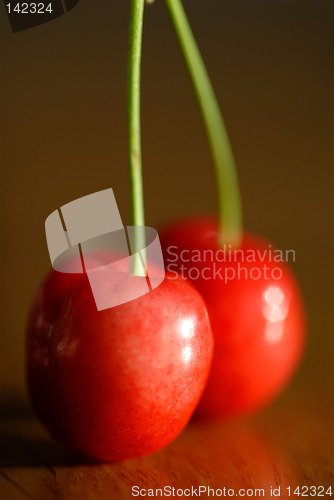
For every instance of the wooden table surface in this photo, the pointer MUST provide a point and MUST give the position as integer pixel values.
(288, 445)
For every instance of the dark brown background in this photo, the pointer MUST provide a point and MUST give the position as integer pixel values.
(63, 135)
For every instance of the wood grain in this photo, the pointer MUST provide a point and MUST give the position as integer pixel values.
(291, 444)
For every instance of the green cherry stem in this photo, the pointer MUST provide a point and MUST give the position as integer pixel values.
(230, 212)
(134, 131)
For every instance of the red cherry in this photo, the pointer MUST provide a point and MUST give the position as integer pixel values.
(119, 383)
(257, 321)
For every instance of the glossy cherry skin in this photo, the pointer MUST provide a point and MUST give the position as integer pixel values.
(258, 324)
(119, 383)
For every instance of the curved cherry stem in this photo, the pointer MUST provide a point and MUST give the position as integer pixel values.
(134, 130)
(230, 212)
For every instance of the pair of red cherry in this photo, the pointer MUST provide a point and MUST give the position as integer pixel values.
(124, 382)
